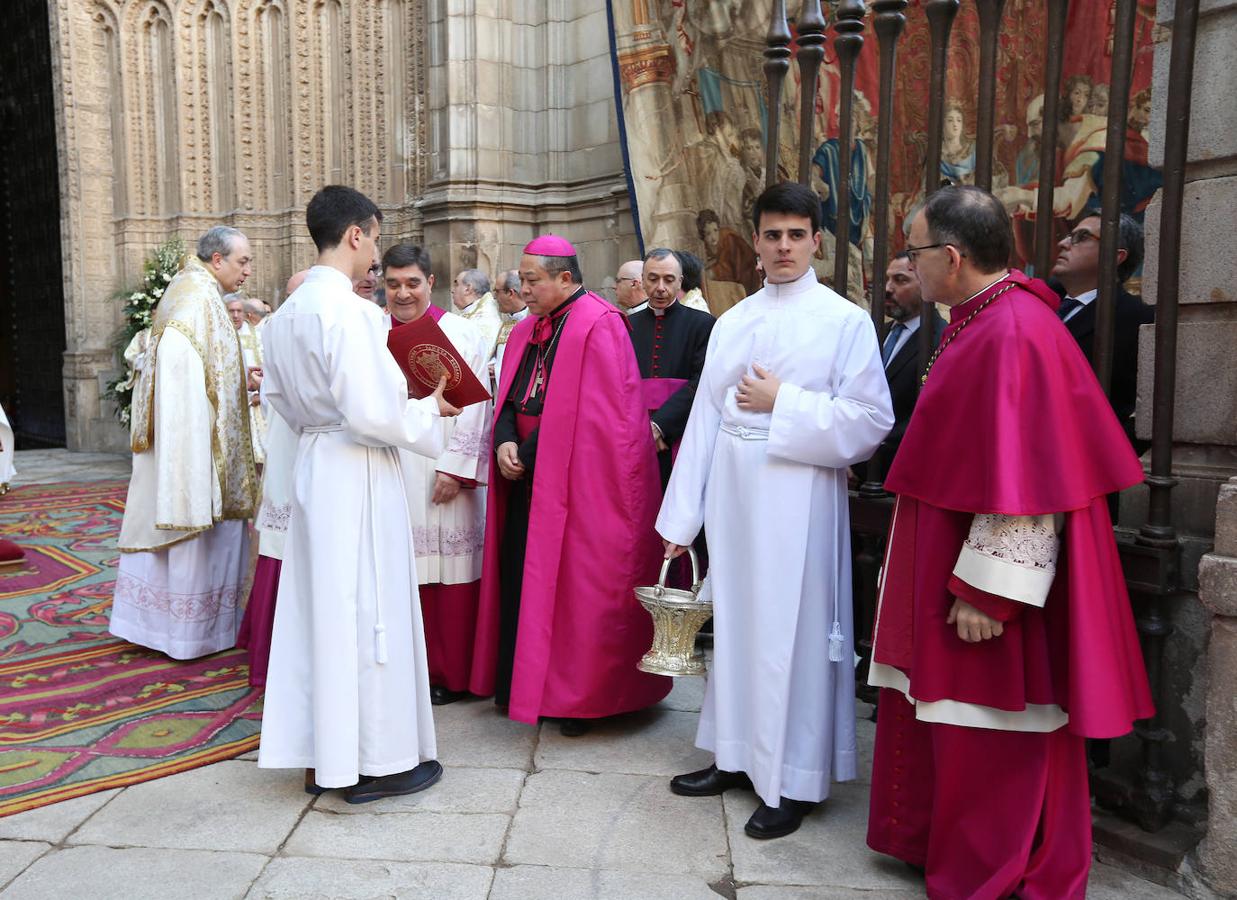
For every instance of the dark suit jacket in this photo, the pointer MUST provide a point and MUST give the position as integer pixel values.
(676, 350)
(902, 373)
(1131, 313)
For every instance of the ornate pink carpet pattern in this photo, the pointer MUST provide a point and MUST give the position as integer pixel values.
(81, 711)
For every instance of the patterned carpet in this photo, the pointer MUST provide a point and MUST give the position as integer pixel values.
(81, 711)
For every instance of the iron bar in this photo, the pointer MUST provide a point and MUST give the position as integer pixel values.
(1054, 55)
(811, 28)
(1110, 209)
(1153, 797)
(1159, 529)
(776, 65)
(941, 15)
(888, 20)
(847, 42)
(990, 12)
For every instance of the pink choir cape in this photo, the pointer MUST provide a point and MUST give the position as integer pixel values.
(591, 539)
(1012, 421)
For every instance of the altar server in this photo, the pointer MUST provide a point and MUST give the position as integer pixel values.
(791, 394)
(184, 541)
(569, 527)
(347, 693)
(446, 496)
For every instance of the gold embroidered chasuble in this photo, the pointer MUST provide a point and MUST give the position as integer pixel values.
(190, 434)
(483, 312)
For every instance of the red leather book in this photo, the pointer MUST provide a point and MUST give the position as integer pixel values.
(424, 353)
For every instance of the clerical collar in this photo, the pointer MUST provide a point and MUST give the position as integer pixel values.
(661, 312)
(519, 314)
(968, 305)
(791, 289)
(561, 309)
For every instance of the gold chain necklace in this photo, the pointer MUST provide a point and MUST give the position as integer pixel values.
(967, 321)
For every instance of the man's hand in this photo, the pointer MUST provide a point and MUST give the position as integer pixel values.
(673, 551)
(973, 625)
(253, 378)
(445, 409)
(446, 488)
(509, 465)
(658, 439)
(757, 393)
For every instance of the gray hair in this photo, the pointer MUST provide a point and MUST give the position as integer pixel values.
(477, 280)
(509, 281)
(220, 239)
(234, 298)
(1129, 239)
(253, 307)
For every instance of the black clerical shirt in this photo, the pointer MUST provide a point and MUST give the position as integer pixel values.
(672, 345)
(505, 426)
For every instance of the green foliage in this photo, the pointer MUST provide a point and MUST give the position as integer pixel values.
(139, 311)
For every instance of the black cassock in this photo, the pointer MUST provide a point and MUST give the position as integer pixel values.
(672, 345)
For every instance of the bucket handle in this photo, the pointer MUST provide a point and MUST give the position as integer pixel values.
(665, 569)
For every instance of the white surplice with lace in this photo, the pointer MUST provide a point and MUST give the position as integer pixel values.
(449, 537)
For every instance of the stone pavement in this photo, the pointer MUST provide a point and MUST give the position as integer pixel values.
(521, 813)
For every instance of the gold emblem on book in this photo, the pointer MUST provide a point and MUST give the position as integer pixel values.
(429, 362)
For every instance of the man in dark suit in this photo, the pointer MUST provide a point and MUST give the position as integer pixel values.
(670, 340)
(900, 354)
(1077, 276)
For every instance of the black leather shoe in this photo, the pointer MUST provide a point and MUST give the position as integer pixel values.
(574, 727)
(417, 779)
(441, 696)
(708, 782)
(312, 786)
(767, 822)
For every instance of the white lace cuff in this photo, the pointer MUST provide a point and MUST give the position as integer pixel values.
(1011, 556)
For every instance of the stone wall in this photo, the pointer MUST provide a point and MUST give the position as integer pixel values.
(1202, 656)
(474, 125)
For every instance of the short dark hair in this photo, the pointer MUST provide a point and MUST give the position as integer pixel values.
(691, 269)
(335, 209)
(706, 217)
(972, 220)
(402, 256)
(662, 253)
(901, 254)
(1129, 239)
(790, 198)
(555, 265)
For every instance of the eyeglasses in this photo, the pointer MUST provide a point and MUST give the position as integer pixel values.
(913, 252)
(375, 270)
(1081, 236)
(634, 281)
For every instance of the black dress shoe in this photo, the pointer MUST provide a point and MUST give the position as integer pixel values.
(312, 786)
(417, 779)
(441, 696)
(708, 782)
(767, 822)
(574, 727)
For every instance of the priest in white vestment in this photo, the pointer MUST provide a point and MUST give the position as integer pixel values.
(512, 310)
(792, 393)
(446, 496)
(184, 541)
(347, 690)
(471, 299)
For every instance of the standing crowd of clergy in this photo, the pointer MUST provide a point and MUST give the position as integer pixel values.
(412, 553)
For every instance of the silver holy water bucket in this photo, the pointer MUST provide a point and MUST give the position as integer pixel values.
(677, 616)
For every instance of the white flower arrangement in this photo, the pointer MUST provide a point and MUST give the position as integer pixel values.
(139, 311)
